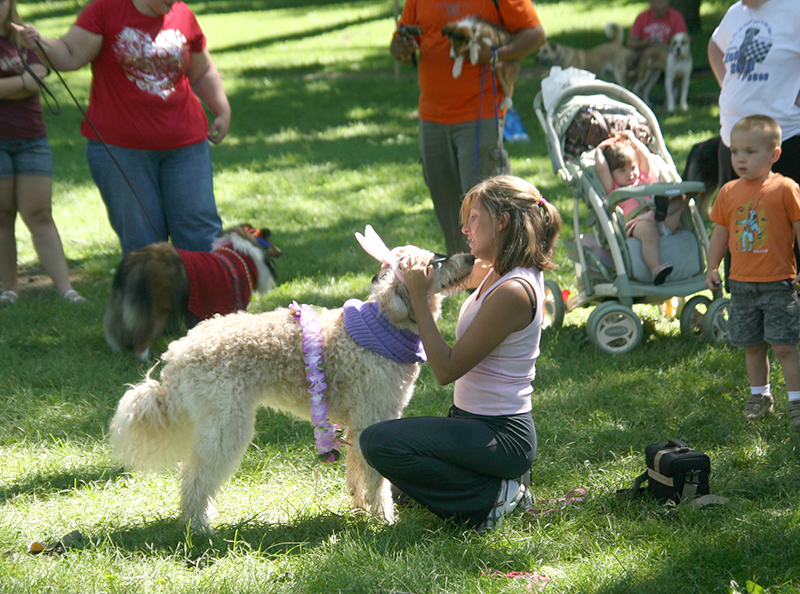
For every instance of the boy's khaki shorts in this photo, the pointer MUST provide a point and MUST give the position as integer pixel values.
(763, 313)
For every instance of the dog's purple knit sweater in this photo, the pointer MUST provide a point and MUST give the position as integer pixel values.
(370, 328)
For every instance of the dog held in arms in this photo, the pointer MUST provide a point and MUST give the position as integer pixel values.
(675, 61)
(467, 36)
(608, 57)
(159, 285)
(202, 411)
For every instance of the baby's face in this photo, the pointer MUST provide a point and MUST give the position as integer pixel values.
(626, 175)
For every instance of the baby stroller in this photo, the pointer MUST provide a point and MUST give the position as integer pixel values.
(609, 269)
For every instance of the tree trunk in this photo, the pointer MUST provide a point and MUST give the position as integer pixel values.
(691, 13)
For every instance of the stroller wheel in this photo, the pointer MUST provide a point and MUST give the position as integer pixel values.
(693, 315)
(614, 328)
(716, 320)
(553, 306)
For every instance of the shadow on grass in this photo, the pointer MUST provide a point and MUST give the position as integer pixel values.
(53, 484)
(415, 534)
(759, 554)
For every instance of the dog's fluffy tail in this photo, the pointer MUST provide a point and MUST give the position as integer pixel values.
(150, 284)
(615, 33)
(149, 432)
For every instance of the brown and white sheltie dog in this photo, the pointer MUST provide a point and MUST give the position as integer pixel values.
(160, 286)
(466, 38)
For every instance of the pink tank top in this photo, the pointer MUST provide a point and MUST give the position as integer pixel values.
(501, 383)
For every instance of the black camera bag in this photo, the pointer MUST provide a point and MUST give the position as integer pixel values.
(674, 472)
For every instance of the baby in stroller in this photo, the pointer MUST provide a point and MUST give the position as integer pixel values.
(622, 161)
(611, 274)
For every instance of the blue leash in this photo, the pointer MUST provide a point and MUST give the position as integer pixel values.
(496, 119)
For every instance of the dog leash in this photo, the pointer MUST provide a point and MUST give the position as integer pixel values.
(43, 86)
(46, 92)
(560, 503)
(243, 263)
(496, 119)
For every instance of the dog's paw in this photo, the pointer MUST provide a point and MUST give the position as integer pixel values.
(474, 51)
(457, 65)
(506, 103)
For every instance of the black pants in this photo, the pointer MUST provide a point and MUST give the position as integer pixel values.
(452, 465)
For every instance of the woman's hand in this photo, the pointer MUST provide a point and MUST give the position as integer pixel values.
(403, 48)
(219, 127)
(27, 35)
(417, 272)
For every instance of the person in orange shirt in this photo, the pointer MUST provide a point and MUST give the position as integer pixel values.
(458, 134)
(757, 218)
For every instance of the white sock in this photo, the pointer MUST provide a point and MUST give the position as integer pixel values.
(754, 390)
(794, 396)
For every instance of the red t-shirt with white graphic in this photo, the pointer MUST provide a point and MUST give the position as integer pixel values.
(140, 96)
(646, 26)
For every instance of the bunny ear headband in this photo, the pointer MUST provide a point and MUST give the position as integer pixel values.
(374, 246)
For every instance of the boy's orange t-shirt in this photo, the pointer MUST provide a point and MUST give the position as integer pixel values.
(759, 216)
(449, 100)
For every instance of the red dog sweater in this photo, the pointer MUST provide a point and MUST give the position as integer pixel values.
(220, 282)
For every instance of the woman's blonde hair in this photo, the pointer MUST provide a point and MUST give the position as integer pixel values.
(530, 237)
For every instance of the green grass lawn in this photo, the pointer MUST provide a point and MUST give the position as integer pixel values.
(323, 142)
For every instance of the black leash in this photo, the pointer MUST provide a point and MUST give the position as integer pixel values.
(51, 68)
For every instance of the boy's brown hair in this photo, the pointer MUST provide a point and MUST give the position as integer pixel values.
(767, 128)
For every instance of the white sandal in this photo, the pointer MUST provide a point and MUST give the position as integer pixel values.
(73, 296)
(8, 297)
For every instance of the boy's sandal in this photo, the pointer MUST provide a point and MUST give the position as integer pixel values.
(73, 296)
(8, 297)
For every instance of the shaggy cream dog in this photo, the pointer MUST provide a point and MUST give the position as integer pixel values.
(202, 410)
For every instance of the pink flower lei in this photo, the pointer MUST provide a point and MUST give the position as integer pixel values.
(328, 443)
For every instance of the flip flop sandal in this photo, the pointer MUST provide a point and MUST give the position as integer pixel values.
(8, 297)
(73, 296)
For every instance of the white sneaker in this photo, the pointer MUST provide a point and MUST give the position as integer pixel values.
(511, 493)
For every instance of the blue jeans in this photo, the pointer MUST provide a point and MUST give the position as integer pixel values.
(26, 157)
(173, 199)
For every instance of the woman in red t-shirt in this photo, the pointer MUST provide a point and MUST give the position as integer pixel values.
(26, 166)
(150, 64)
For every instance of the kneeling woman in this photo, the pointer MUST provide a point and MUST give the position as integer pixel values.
(468, 466)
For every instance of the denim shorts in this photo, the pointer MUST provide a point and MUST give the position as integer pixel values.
(763, 313)
(30, 156)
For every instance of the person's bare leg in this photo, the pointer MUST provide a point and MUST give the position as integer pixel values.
(34, 193)
(8, 241)
(646, 232)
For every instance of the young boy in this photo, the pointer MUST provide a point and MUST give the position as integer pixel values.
(757, 218)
